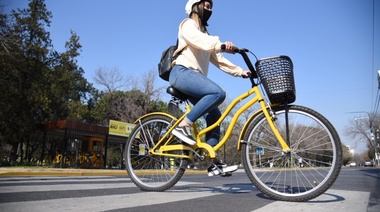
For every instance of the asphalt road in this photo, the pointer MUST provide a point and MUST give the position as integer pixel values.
(356, 189)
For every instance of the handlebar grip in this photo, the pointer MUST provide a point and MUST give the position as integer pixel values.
(236, 49)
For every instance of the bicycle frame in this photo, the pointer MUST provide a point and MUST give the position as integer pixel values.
(161, 147)
(257, 98)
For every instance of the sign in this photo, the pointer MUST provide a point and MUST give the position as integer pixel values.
(120, 128)
(259, 151)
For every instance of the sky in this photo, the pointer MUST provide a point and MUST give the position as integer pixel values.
(334, 44)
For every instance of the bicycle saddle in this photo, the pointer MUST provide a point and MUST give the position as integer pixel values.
(176, 93)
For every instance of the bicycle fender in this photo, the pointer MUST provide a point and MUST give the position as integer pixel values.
(153, 114)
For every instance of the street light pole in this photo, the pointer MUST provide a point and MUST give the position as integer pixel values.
(369, 119)
(377, 143)
(373, 138)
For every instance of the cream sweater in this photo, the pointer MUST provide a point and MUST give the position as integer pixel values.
(199, 49)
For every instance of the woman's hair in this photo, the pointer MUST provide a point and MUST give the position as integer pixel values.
(198, 8)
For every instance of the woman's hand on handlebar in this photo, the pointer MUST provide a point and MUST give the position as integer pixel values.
(246, 74)
(229, 47)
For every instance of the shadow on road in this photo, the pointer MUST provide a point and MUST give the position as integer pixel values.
(240, 188)
(226, 188)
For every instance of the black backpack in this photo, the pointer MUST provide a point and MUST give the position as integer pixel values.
(165, 65)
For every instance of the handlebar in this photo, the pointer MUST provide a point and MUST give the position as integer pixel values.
(243, 53)
(236, 49)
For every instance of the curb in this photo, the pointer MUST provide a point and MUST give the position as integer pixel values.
(57, 172)
(70, 172)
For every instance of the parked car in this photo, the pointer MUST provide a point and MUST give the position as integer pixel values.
(368, 163)
(353, 164)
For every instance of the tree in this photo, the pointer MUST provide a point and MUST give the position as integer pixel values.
(141, 98)
(148, 86)
(112, 79)
(41, 84)
(24, 54)
(347, 155)
(67, 90)
(362, 130)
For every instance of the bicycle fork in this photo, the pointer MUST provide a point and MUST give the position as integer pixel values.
(270, 118)
(287, 125)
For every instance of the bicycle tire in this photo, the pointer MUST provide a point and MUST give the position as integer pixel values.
(150, 172)
(308, 170)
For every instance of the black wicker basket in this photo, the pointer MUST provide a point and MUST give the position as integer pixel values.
(276, 75)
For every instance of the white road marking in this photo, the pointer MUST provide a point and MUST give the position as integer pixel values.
(328, 202)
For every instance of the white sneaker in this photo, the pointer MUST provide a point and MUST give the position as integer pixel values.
(215, 170)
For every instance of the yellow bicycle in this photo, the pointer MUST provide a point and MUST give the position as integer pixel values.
(289, 152)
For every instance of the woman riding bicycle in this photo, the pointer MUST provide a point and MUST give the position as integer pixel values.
(196, 48)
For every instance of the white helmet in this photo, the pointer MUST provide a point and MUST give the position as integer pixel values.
(189, 5)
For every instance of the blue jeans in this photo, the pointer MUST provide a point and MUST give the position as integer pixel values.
(203, 93)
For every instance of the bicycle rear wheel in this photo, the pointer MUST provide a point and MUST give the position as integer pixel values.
(150, 172)
(308, 170)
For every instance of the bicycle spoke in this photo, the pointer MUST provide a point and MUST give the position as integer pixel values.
(149, 171)
(310, 167)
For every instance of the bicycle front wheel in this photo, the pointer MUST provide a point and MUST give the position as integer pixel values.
(311, 166)
(150, 172)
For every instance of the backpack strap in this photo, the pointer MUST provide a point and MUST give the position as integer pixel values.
(178, 52)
